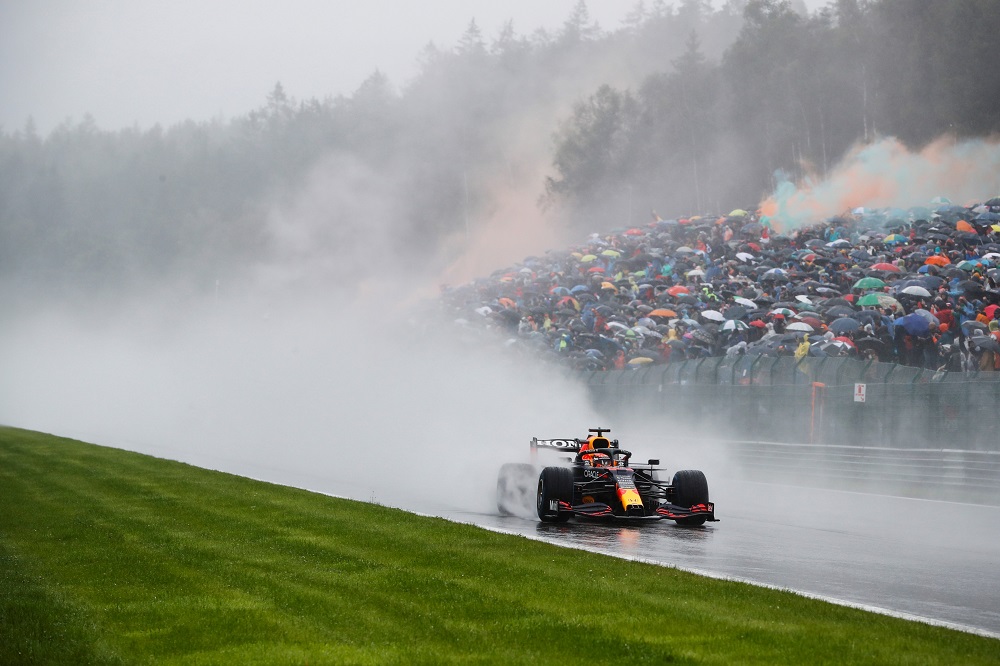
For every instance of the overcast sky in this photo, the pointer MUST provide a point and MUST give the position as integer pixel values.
(144, 62)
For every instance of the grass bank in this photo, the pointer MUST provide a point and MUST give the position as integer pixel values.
(108, 556)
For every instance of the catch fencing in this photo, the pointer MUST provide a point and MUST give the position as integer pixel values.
(843, 421)
(826, 400)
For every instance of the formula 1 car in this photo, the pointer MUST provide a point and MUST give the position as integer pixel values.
(599, 483)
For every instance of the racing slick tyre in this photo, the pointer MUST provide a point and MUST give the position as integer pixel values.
(555, 484)
(515, 485)
(690, 488)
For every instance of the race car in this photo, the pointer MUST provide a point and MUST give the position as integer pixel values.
(598, 482)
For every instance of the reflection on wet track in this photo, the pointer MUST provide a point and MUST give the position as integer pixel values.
(937, 561)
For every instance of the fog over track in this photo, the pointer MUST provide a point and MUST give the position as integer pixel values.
(338, 397)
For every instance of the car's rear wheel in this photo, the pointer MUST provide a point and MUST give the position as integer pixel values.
(515, 486)
(555, 484)
(690, 488)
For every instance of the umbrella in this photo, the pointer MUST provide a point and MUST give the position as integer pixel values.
(701, 335)
(882, 266)
(745, 301)
(914, 324)
(928, 316)
(931, 281)
(879, 300)
(784, 312)
(895, 238)
(870, 300)
(735, 325)
(868, 283)
(678, 289)
(713, 315)
(736, 312)
(970, 287)
(844, 325)
(838, 311)
(812, 321)
(663, 312)
(970, 266)
(984, 343)
(587, 258)
(800, 326)
(846, 341)
(973, 325)
(915, 290)
(871, 347)
(745, 256)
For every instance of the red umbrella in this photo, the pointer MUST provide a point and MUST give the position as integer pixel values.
(678, 289)
(812, 321)
(885, 267)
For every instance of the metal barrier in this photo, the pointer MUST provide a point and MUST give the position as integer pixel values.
(830, 401)
(946, 474)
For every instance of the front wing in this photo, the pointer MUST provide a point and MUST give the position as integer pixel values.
(602, 511)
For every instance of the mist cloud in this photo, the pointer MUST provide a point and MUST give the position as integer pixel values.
(888, 174)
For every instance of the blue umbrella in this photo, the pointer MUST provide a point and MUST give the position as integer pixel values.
(914, 325)
(844, 325)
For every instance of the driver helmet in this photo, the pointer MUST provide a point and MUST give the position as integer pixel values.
(596, 459)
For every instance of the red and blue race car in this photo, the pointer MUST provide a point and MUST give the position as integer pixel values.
(596, 480)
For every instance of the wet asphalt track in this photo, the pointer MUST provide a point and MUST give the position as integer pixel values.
(932, 560)
(921, 559)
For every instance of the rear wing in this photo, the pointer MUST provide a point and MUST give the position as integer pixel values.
(571, 445)
(565, 445)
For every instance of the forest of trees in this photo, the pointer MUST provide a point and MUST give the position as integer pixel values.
(685, 109)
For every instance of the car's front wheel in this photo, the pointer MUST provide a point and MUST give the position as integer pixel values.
(555, 485)
(690, 488)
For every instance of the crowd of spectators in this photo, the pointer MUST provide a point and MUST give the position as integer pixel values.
(917, 287)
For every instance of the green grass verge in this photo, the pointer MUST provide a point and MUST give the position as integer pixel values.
(108, 556)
